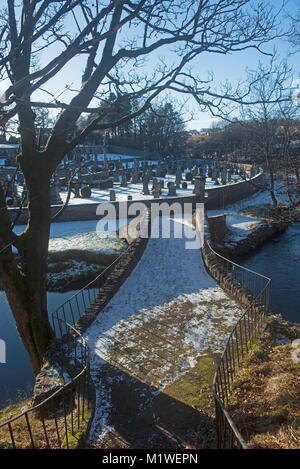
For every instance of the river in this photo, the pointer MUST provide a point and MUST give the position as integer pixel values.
(16, 375)
(279, 259)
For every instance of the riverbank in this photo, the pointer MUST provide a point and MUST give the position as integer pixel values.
(267, 223)
(265, 400)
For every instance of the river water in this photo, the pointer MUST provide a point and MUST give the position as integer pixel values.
(16, 375)
(279, 259)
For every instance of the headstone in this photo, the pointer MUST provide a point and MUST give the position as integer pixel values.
(76, 189)
(156, 189)
(124, 179)
(178, 178)
(229, 174)
(199, 189)
(135, 176)
(145, 184)
(215, 175)
(223, 177)
(112, 195)
(172, 190)
(55, 198)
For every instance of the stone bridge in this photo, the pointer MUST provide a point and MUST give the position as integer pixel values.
(154, 347)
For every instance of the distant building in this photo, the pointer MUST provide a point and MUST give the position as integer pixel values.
(193, 132)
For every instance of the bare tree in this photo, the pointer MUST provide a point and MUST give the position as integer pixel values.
(38, 39)
(269, 120)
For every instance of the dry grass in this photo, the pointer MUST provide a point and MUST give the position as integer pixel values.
(265, 402)
(71, 430)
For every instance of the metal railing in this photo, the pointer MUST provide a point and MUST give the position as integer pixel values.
(254, 291)
(71, 310)
(60, 420)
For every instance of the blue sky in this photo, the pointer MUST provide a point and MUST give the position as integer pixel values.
(225, 67)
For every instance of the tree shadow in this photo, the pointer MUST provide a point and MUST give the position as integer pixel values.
(140, 416)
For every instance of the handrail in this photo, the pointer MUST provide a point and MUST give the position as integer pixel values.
(244, 333)
(87, 295)
(95, 279)
(78, 386)
(56, 423)
(234, 263)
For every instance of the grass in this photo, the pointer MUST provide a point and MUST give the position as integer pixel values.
(74, 433)
(265, 403)
(74, 268)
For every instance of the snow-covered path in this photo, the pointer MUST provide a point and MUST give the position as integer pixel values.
(159, 334)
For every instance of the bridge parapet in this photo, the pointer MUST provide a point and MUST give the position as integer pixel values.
(252, 291)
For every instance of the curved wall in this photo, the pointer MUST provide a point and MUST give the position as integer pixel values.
(217, 197)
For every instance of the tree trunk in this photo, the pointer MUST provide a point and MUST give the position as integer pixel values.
(35, 331)
(25, 286)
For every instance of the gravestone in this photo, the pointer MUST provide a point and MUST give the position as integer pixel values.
(124, 179)
(145, 184)
(199, 189)
(112, 195)
(178, 178)
(135, 176)
(156, 189)
(172, 190)
(229, 174)
(76, 189)
(223, 177)
(55, 198)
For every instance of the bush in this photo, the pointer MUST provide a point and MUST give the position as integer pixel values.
(86, 192)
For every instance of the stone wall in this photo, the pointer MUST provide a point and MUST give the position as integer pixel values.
(256, 238)
(217, 269)
(93, 211)
(118, 274)
(221, 196)
(48, 380)
(217, 228)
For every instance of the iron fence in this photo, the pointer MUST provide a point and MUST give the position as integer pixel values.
(254, 292)
(71, 310)
(61, 420)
